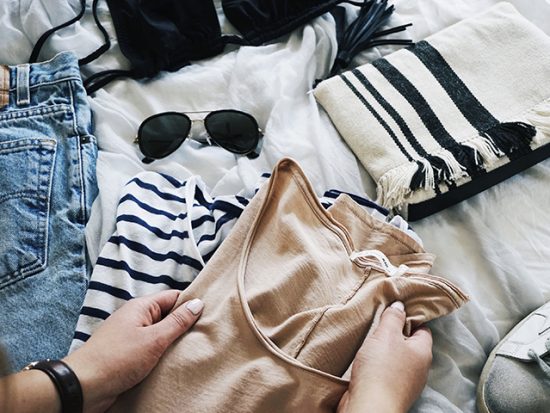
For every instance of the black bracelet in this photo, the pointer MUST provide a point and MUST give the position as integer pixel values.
(65, 381)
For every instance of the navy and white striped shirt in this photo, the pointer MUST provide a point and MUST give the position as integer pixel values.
(166, 231)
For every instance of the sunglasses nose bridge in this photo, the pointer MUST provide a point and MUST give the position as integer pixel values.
(197, 125)
(198, 132)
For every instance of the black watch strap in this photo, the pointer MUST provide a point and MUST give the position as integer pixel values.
(65, 381)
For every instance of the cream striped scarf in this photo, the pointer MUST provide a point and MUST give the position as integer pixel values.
(449, 117)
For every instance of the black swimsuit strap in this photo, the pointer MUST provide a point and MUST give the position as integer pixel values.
(234, 39)
(102, 49)
(100, 79)
(92, 56)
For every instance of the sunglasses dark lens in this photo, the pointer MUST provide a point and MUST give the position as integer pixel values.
(161, 135)
(232, 130)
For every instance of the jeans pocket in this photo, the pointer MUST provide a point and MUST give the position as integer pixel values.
(26, 167)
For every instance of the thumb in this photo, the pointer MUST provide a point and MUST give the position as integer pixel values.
(422, 337)
(179, 321)
(392, 320)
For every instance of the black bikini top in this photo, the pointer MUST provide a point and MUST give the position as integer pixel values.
(158, 35)
(260, 21)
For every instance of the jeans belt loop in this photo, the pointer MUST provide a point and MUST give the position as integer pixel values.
(4, 86)
(23, 90)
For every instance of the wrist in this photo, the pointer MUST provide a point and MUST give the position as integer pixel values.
(65, 381)
(95, 388)
(45, 397)
(374, 402)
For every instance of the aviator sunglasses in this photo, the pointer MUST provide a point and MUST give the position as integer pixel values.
(236, 131)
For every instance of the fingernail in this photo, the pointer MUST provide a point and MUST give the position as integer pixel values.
(195, 306)
(398, 305)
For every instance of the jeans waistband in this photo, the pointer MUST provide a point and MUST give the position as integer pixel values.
(63, 66)
(36, 88)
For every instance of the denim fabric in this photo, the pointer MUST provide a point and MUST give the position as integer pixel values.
(47, 185)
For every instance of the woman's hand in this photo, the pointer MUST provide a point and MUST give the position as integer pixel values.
(128, 345)
(390, 370)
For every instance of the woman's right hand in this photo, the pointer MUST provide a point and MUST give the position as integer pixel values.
(390, 370)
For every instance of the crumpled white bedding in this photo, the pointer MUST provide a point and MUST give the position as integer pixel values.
(496, 246)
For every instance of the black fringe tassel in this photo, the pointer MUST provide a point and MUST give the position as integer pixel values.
(467, 157)
(442, 172)
(509, 137)
(512, 137)
(364, 32)
(419, 178)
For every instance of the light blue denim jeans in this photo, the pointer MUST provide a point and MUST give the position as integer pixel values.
(47, 185)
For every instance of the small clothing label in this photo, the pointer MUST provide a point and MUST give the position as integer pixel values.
(4, 86)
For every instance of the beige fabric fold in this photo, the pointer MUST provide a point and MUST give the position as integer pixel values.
(287, 305)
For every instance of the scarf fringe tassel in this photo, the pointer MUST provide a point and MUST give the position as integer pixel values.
(398, 184)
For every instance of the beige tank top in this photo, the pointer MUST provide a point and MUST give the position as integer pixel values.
(289, 297)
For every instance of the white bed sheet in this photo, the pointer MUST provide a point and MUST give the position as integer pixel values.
(496, 246)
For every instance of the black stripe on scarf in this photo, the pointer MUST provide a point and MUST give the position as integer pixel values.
(512, 138)
(463, 98)
(419, 178)
(378, 118)
(392, 112)
(464, 155)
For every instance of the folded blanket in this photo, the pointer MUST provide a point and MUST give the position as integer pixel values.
(449, 117)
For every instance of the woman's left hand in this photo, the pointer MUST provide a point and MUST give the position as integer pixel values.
(128, 345)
